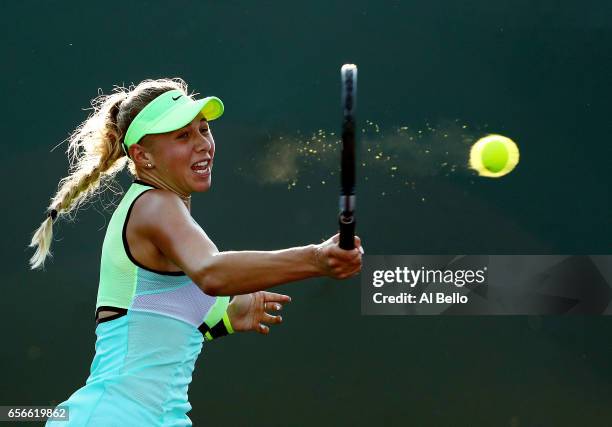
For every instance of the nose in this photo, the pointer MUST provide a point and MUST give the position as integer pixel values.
(203, 143)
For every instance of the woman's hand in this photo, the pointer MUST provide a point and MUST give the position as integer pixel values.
(338, 263)
(248, 312)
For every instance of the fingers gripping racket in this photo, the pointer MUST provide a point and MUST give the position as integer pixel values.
(346, 217)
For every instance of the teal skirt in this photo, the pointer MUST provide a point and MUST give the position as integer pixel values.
(139, 376)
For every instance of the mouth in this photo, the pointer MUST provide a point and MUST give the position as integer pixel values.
(202, 167)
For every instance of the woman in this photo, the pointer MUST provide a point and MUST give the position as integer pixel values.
(164, 286)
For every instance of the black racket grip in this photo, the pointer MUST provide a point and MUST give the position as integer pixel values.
(347, 232)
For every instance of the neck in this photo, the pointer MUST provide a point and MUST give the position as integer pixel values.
(159, 183)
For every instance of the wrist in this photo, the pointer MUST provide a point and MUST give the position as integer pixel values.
(227, 323)
(232, 315)
(315, 259)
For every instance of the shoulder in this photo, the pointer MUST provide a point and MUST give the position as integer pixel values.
(156, 208)
(156, 199)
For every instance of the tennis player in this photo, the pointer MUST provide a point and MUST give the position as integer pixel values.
(164, 286)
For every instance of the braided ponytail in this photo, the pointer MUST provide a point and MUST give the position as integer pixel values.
(95, 150)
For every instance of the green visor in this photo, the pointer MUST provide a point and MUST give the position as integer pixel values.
(170, 111)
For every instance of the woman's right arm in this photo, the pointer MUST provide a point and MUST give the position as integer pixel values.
(167, 223)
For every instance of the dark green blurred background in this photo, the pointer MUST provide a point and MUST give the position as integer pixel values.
(537, 71)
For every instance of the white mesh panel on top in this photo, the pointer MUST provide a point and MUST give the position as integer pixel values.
(151, 282)
(174, 296)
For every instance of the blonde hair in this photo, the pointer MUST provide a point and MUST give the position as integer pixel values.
(96, 154)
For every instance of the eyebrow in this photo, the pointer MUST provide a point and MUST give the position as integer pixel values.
(187, 125)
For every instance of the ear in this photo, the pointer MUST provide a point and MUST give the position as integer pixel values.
(140, 155)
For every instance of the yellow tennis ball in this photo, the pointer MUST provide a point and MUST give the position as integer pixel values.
(494, 156)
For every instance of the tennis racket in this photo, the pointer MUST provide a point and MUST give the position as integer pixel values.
(346, 218)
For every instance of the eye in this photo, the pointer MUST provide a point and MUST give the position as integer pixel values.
(183, 135)
(205, 130)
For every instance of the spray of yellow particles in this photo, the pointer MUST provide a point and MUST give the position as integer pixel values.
(494, 156)
(392, 160)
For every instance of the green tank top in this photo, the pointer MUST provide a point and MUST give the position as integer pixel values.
(126, 284)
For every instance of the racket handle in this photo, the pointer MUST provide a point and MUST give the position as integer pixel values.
(347, 232)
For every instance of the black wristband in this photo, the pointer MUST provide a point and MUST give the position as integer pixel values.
(217, 331)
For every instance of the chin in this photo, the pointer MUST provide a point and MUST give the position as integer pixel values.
(202, 185)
